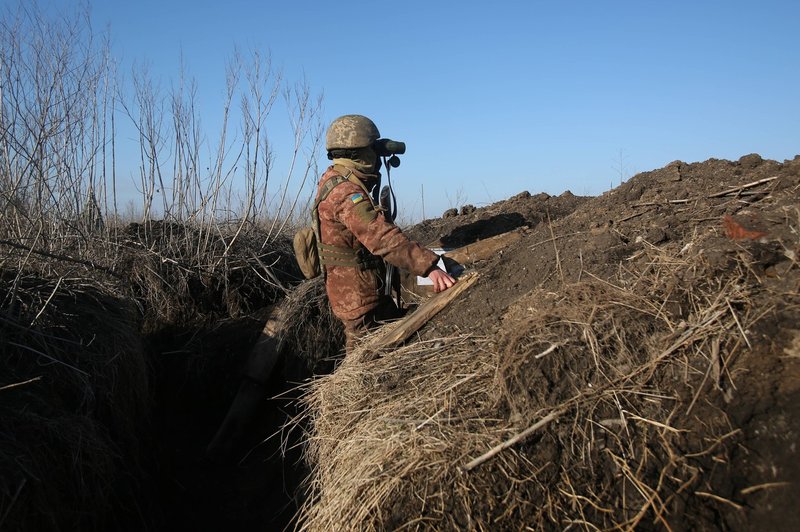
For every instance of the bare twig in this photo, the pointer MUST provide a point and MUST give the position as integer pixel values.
(48, 357)
(631, 216)
(50, 298)
(552, 239)
(737, 190)
(57, 256)
(13, 500)
(9, 386)
(663, 202)
(719, 499)
(516, 439)
(765, 486)
(555, 247)
(549, 350)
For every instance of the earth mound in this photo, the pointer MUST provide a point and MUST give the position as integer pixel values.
(631, 363)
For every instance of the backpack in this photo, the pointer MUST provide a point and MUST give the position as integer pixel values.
(306, 252)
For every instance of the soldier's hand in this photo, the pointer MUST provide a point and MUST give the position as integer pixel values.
(441, 280)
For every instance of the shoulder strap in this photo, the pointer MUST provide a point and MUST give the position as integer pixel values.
(327, 187)
(348, 174)
(342, 174)
(335, 255)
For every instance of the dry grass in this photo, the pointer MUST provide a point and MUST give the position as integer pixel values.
(74, 377)
(73, 406)
(313, 334)
(380, 422)
(183, 273)
(180, 274)
(600, 406)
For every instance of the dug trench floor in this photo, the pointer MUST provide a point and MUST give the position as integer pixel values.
(197, 374)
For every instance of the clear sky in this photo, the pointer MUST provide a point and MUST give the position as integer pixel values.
(493, 98)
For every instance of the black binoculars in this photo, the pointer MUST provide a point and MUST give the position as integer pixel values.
(386, 147)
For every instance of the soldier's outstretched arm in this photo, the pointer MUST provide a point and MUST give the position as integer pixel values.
(381, 238)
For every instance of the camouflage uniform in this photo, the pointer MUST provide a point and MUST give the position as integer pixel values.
(348, 219)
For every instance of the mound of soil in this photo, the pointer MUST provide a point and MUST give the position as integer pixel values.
(682, 210)
(473, 224)
(651, 331)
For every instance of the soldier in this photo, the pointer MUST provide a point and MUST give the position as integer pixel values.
(354, 234)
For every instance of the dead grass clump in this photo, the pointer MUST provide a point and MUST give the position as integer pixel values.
(389, 434)
(180, 274)
(74, 386)
(183, 273)
(313, 334)
(601, 406)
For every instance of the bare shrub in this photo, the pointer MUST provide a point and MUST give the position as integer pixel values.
(55, 83)
(212, 217)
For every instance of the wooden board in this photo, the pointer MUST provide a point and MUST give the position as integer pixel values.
(400, 331)
(483, 249)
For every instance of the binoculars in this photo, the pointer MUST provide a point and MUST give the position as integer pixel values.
(386, 147)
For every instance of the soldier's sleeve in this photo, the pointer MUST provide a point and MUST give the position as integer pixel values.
(380, 237)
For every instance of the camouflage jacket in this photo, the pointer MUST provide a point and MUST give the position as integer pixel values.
(347, 217)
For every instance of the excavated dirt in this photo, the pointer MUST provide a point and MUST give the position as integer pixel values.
(681, 208)
(602, 233)
(649, 335)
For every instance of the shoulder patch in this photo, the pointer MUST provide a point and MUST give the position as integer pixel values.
(365, 211)
(357, 198)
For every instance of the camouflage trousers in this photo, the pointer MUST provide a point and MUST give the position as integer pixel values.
(355, 329)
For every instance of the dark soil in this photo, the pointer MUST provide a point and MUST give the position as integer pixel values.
(474, 224)
(676, 208)
(601, 233)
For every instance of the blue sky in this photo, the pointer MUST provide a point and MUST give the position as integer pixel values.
(493, 98)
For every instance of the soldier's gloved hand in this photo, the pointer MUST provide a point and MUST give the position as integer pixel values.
(441, 280)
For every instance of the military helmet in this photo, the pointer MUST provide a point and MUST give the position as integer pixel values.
(351, 132)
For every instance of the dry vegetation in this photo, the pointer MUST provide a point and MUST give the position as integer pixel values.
(594, 371)
(313, 333)
(75, 399)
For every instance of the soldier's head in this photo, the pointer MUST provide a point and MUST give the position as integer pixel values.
(351, 132)
(352, 137)
(357, 139)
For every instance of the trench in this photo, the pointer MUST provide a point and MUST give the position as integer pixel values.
(255, 485)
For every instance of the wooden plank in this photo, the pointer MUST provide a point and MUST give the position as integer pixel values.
(400, 331)
(483, 249)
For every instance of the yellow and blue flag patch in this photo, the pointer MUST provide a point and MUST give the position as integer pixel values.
(357, 198)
